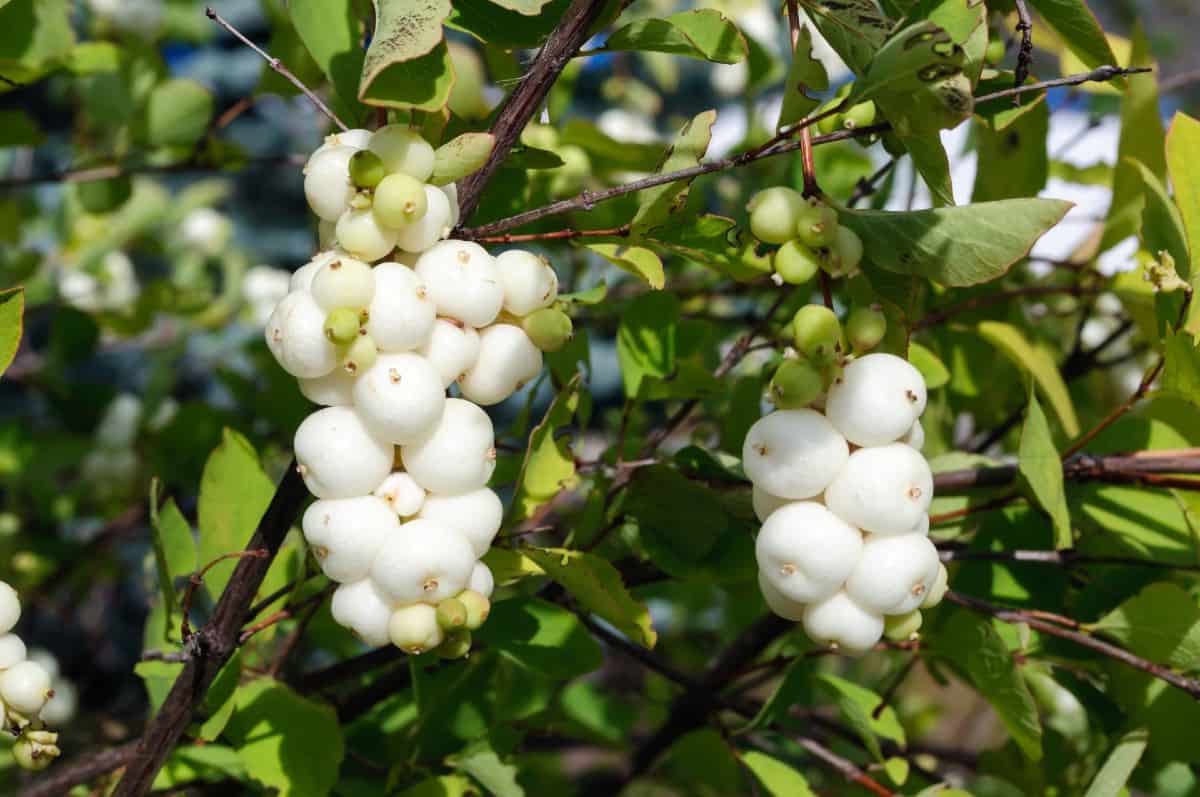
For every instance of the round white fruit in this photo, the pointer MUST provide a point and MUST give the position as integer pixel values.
(327, 185)
(793, 453)
(12, 650)
(884, 490)
(451, 192)
(400, 397)
(806, 552)
(10, 607)
(430, 228)
(295, 334)
(338, 456)
(402, 494)
(529, 281)
(937, 590)
(894, 574)
(423, 561)
(452, 348)
(463, 281)
(60, 709)
(915, 436)
(402, 313)
(839, 620)
(47, 661)
(403, 150)
(414, 629)
(335, 389)
(361, 235)
(356, 138)
(778, 602)
(118, 426)
(876, 400)
(302, 278)
(343, 282)
(362, 608)
(482, 580)
(507, 361)
(25, 687)
(345, 534)
(458, 455)
(476, 515)
(765, 503)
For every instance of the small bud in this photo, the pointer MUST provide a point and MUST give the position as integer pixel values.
(549, 328)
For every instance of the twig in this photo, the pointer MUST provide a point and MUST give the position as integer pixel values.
(973, 509)
(555, 235)
(1188, 685)
(1025, 52)
(1081, 467)
(277, 65)
(848, 769)
(196, 580)
(999, 297)
(1067, 558)
(1176, 82)
(60, 779)
(889, 693)
(867, 186)
(806, 146)
(285, 613)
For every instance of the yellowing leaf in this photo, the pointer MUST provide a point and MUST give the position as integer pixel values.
(637, 260)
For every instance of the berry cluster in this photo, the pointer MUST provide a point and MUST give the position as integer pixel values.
(25, 689)
(808, 234)
(399, 468)
(841, 487)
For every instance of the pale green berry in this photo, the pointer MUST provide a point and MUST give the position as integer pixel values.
(817, 333)
(899, 627)
(403, 150)
(796, 384)
(549, 328)
(342, 325)
(359, 355)
(451, 614)
(865, 328)
(774, 213)
(366, 169)
(478, 608)
(861, 115)
(399, 200)
(937, 590)
(796, 263)
(846, 253)
(816, 224)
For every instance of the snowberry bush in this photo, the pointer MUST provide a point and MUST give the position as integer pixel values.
(26, 692)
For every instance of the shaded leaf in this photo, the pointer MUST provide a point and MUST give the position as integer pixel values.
(234, 493)
(541, 636)
(178, 112)
(856, 704)
(646, 339)
(701, 33)
(408, 64)
(856, 29)
(1041, 473)
(549, 466)
(1118, 767)
(1160, 623)
(12, 315)
(806, 73)
(637, 260)
(712, 241)
(174, 547)
(480, 761)
(1077, 26)
(1039, 364)
(331, 32)
(1183, 141)
(656, 205)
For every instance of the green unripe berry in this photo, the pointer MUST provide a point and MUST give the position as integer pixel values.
(937, 590)
(816, 224)
(478, 608)
(846, 253)
(774, 213)
(399, 201)
(796, 263)
(994, 54)
(34, 750)
(817, 333)
(549, 328)
(359, 355)
(861, 115)
(796, 384)
(899, 627)
(451, 614)
(366, 169)
(456, 645)
(342, 325)
(865, 327)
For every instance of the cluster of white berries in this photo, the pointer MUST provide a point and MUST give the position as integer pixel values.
(400, 469)
(842, 489)
(25, 690)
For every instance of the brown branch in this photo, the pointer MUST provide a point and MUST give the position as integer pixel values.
(1067, 558)
(1188, 685)
(1025, 51)
(59, 780)
(276, 65)
(196, 580)
(1080, 467)
(527, 99)
(555, 235)
(999, 297)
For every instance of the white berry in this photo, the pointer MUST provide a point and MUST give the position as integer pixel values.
(414, 629)
(778, 602)
(12, 650)
(894, 574)
(430, 228)
(423, 561)
(360, 234)
(458, 455)
(482, 580)
(338, 456)
(295, 334)
(402, 493)
(839, 620)
(463, 282)
(507, 361)
(765, 503)
(885, 490)
(529, 281)
(356, 138)
(806, 551)
(451, 192)
(327, 185)
(915, 436)
(452, 348)
(403, 150)
(25, 687)
(10, 607)
(60, 709)
(343, 282)
(400, 397)
(402, 314)
(335, 389)
(476, 515)
(876, 400)
(793, 453)
(302, 278)
(345, 534)
(363, 609)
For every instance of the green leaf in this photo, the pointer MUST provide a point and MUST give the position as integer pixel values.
(687, 516)
(955, 246)
(17, 129)
(12, 323)
(234, 493)
(701, 33)
(657, 205)
(1013, 162)
(932, 369)
(591, 705)
(174, 547)
(219, 701)
(1181, 374)
(1076, 25)
(646, 339)
(287, 742)
(918, 54)
(210, 763)
(1160, 623)
(595, 583)
(88, 58)
(331, 32)
(541, 636)
(480, 761)
(527, 7)
(637, 260)
(1183, 140)
(1038, 363)
(1041, 473)
(793, 688)
(408, 64)
(460, 156)
(933, 164)
(857, 704)
(776, 777)
(712, 241)
(34, 35)
(972, 646)
(1118, 767)
(805, 73)
(178, 112)
(856, 29)
(498, 26)
(549, 465)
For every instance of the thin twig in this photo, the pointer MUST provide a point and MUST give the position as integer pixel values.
(1025, 51)
(867, 186)
(999, 297)
(196, 580)
(277, 65)
(555, 235)
(1066, 558)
